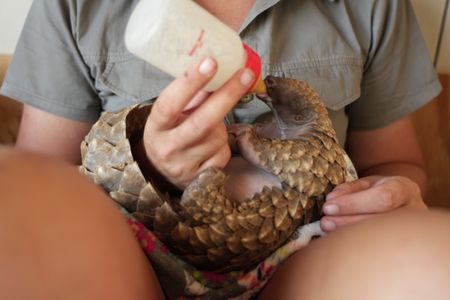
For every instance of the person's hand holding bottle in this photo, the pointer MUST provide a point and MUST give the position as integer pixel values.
(185, 132)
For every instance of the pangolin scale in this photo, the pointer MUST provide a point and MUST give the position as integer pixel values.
(205, 227)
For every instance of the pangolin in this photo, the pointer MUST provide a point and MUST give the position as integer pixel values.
(206, 227)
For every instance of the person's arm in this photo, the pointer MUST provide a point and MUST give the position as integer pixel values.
(390, 165)
(389, 151)
(50, 75)
(51, 135)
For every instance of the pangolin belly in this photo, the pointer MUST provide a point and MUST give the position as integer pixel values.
(208, 227)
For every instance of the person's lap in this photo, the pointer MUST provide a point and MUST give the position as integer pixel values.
(61, 237)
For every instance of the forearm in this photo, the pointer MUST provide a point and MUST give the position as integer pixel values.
(389, 151)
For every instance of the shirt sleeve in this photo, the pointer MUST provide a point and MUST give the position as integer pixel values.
(47, 70)
(399, 76)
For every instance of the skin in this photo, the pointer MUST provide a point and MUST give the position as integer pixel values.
(398, 255)
(39, 130)
(200, 134)
(188, 123)
(391, 168)
(59, 243)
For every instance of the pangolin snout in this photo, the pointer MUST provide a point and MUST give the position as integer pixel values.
(270, 82)
(273, 87)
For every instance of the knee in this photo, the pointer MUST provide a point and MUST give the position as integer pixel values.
(407, 239)
(64, 235)
(407, 231)
(402, 255)
(43, 181)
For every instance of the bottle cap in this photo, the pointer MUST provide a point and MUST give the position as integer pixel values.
(254, 64)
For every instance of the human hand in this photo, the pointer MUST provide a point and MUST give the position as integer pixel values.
(185, 133)
(354, 201)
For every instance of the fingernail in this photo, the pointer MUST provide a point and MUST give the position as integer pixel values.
(207, 66)
(331, 209)
(328, 225)
(247, 77)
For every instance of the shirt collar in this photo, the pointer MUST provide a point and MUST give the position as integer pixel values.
(259, 7)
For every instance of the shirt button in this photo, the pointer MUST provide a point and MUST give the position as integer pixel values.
(246, 98)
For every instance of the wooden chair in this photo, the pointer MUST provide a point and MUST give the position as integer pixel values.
(10, 110)
(433, 132)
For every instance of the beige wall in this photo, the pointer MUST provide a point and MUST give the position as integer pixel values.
(429, 12)
(12, 16)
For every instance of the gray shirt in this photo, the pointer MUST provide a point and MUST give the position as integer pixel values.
(366, 58)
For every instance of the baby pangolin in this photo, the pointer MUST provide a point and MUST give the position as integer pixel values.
(206, 227)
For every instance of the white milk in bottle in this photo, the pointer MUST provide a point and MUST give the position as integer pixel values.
(172, 34)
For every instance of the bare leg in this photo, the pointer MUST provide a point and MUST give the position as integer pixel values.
(403, 255)
(61, 237)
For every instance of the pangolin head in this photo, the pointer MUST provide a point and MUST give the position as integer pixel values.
(290, 93)
(293, 101)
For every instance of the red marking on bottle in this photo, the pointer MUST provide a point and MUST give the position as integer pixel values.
(198, 43)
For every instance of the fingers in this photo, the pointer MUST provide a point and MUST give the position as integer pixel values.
(182, 173)
(351, 187)
(377, 199)
(218, 104)
(174, 98)
(331, 223)
(198, 99)
(219, 160)
(354, 201)
(185, 132)
(180, 162)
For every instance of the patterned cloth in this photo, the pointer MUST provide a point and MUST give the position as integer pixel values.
(180, 280)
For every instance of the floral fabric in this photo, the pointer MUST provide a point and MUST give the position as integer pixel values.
(180, 280)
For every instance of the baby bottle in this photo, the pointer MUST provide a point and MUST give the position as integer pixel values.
(172, 34)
